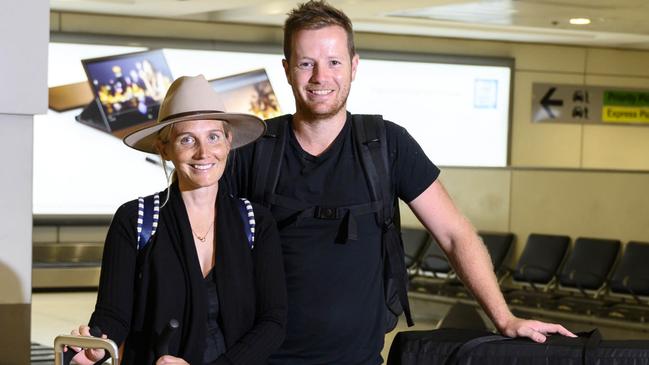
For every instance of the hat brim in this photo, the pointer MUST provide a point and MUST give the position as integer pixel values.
(245, 129)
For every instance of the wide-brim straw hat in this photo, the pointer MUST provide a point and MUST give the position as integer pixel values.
(192, 98)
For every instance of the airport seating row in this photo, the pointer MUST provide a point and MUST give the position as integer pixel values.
(590, 277)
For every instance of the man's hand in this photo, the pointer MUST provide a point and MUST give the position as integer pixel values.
(535, 330)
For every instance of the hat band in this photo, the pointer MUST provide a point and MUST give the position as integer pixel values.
(188, 114)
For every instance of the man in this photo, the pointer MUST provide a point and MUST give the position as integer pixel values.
(336, 306)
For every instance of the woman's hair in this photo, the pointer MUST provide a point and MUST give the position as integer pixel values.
(163, 138)
(171, 177)
(312, 15)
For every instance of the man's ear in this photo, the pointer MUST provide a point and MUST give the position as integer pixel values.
(286, 71)
(354, 65)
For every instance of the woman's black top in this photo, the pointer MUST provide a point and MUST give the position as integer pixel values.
(139, 292)
(215, 343)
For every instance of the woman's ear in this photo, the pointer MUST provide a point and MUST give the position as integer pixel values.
(161, 150)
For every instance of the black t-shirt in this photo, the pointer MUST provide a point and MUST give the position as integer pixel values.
(336, 304)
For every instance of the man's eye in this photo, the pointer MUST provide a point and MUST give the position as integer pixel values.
(336, 63)
(305, 65)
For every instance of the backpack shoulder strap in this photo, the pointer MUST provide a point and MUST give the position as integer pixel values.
(148, 212)
(248, 219)
(372, 141)
(267, 160)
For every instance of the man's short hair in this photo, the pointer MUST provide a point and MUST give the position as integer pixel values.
(316, 14)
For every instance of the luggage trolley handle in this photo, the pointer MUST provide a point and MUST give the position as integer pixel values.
(64, 358)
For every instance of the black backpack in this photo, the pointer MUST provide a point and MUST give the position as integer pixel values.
(148, 211)
(369, 131)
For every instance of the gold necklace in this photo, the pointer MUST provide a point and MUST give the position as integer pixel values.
(202, 239)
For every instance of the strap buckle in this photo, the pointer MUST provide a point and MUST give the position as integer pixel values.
(388, 225)
(326, 213)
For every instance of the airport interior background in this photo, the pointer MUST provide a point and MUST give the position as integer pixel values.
(541, 132)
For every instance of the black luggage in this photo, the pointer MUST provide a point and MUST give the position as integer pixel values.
(472, 347)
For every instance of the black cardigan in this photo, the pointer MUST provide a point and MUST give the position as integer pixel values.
(139, 292)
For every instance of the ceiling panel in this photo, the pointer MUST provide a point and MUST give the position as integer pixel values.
(619, 23)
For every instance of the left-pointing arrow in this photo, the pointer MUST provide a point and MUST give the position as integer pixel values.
(546, 102)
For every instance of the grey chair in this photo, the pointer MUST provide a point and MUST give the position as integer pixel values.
(499, 246)
(631, 277)
(415, 242)
(535, 275)
(443, 280)
(434, 272)
(584, 277)
(628, 296)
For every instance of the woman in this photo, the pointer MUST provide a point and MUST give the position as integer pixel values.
(198, 268)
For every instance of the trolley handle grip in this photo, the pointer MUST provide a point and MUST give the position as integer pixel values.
(68, 341)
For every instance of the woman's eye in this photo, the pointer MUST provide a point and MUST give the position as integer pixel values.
(215, 137)
(186, 140)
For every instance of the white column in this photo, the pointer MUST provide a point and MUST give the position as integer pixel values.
(24, 37)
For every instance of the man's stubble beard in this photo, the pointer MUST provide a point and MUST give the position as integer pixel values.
(307, 113)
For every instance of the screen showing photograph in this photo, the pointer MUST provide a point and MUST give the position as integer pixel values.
(129, 87)
(457, 111)
(249, 92)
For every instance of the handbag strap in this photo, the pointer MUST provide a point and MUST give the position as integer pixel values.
(471, 345)
(593, 340)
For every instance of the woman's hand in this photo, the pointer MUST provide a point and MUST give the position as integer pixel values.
(88, 356)
(170, 360)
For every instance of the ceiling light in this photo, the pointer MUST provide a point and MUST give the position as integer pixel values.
(579, 21)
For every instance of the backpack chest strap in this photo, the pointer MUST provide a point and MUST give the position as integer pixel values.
(348, 229)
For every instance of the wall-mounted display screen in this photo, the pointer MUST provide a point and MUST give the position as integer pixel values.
(248, 92)
(129, 87)
(457, 109)
(458, 112)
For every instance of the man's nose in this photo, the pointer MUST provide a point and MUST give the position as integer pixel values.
(320, 73)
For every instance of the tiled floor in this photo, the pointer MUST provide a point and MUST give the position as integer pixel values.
(420, 325)
(42, 355)
(58, 313)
